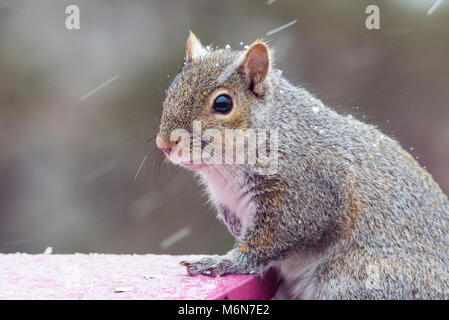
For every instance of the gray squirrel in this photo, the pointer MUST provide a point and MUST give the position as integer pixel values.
(348, 214)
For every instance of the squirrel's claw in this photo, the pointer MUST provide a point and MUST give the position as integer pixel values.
(184, 263)
(210, 266)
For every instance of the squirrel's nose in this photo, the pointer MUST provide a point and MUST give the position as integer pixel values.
(165, 146)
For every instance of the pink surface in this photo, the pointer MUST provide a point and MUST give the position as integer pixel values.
(105, 276)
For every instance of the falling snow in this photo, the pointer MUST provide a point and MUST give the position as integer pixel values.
(105, 84)
(269, 33)
(171, 240)
(434, 7)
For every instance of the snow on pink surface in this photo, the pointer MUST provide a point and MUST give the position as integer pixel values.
(107, 276)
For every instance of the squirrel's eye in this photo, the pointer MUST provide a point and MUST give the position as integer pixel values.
(223, 104)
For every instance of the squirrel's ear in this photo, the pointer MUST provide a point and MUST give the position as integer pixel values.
(256, 65)
(194, 49)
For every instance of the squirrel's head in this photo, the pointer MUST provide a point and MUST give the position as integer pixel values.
(215, 88)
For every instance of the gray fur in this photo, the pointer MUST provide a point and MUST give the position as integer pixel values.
(372, 222)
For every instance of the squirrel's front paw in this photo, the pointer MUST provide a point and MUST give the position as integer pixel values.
(214, 266)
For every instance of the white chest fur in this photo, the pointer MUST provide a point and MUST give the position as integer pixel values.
(227, 187)
(298, 276)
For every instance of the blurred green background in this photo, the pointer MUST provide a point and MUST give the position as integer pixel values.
(68, 165)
